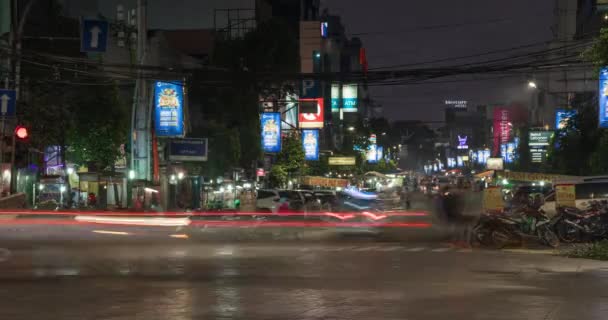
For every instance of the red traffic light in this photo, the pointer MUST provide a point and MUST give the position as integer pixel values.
(21, 132)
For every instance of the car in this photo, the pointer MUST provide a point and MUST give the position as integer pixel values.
(273, 200)
(267, 200)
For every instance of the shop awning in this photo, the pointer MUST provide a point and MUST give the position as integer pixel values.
(485, 174)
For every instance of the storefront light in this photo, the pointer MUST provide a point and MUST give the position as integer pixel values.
(131, 174)
(505, 181)
(180, 175)
(70, 171)
(40, 187)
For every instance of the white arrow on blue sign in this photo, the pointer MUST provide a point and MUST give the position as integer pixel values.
(93, 35)
(7, 103)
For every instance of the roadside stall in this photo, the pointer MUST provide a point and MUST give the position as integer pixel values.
(51, 193)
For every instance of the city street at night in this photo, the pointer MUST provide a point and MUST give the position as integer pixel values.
(108, 272)
(303, 160)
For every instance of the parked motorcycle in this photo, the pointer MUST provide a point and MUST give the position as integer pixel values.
(499, 230)
(574, 225)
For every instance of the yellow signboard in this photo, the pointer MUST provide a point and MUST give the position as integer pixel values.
(565, 195)
(492, 199)
(342, 161)
(533, 177)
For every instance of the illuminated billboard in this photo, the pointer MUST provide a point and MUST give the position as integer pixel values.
(349, 98)
(603, 95)
(310, 144)
(312, 120)
(502, 127)
(563, 117)
(168, 109)
(270, 123)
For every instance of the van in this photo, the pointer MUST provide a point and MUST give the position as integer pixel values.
(586, 190)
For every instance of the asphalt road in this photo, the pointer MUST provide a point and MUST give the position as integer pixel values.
(119, 272)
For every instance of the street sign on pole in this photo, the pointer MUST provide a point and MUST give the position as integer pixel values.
(309, 89)
(93, 35)
(7, 103)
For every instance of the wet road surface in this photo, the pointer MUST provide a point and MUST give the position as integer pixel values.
(171, 273)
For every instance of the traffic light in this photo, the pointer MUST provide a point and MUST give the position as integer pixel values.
(21, 133)
(21, 148)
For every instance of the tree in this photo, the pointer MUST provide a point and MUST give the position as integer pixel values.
(292, 156)
(101, 124)
(278, 176)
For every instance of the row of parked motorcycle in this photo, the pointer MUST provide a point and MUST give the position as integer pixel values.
(516, 225)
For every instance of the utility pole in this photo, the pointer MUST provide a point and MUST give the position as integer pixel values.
(140, 133)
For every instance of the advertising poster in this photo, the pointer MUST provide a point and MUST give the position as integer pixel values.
(310, 144)
(459, 161)
(565, 195)
(372, 153)
(603, 96)
(188, 149)
(169, 109)
(312, 120)
(562, 117)
(270, 122)
(502, 127)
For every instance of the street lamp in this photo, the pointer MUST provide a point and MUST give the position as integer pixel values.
(351, 128)
(532, 84)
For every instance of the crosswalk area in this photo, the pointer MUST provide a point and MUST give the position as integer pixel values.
(395, 248)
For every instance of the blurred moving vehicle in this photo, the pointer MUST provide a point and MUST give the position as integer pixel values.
(273, 200)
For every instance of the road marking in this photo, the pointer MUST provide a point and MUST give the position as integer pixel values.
(441, 250)
(365, 248)
(393, 248)
(417, 249)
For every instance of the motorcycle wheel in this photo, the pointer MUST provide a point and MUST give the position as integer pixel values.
(500, 238)
(483, 235)
(567, 233)
(549, 237)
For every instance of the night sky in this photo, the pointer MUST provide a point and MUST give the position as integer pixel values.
(403, 32)
(407, 32)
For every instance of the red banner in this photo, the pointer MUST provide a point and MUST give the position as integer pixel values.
(503, 128)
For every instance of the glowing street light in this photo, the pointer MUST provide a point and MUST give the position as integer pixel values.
(532, 84)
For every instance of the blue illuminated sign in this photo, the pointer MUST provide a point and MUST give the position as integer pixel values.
(169, 109)
(271, 131)
(324, 26)
(603, 94)
(563, 117)
(93, 35)
(310, 144)
(188, 150)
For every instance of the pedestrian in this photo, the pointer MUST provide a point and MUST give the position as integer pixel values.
(452, 204)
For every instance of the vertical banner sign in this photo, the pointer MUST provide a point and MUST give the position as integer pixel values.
(349, 98)
(271, 132)
(169, 111)
(565, 195)
(502, 127)
(310, 144)
(603, 94)
(335, 97)
(312, 120)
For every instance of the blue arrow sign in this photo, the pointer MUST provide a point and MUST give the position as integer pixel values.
(7, 102)
(93, 35)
